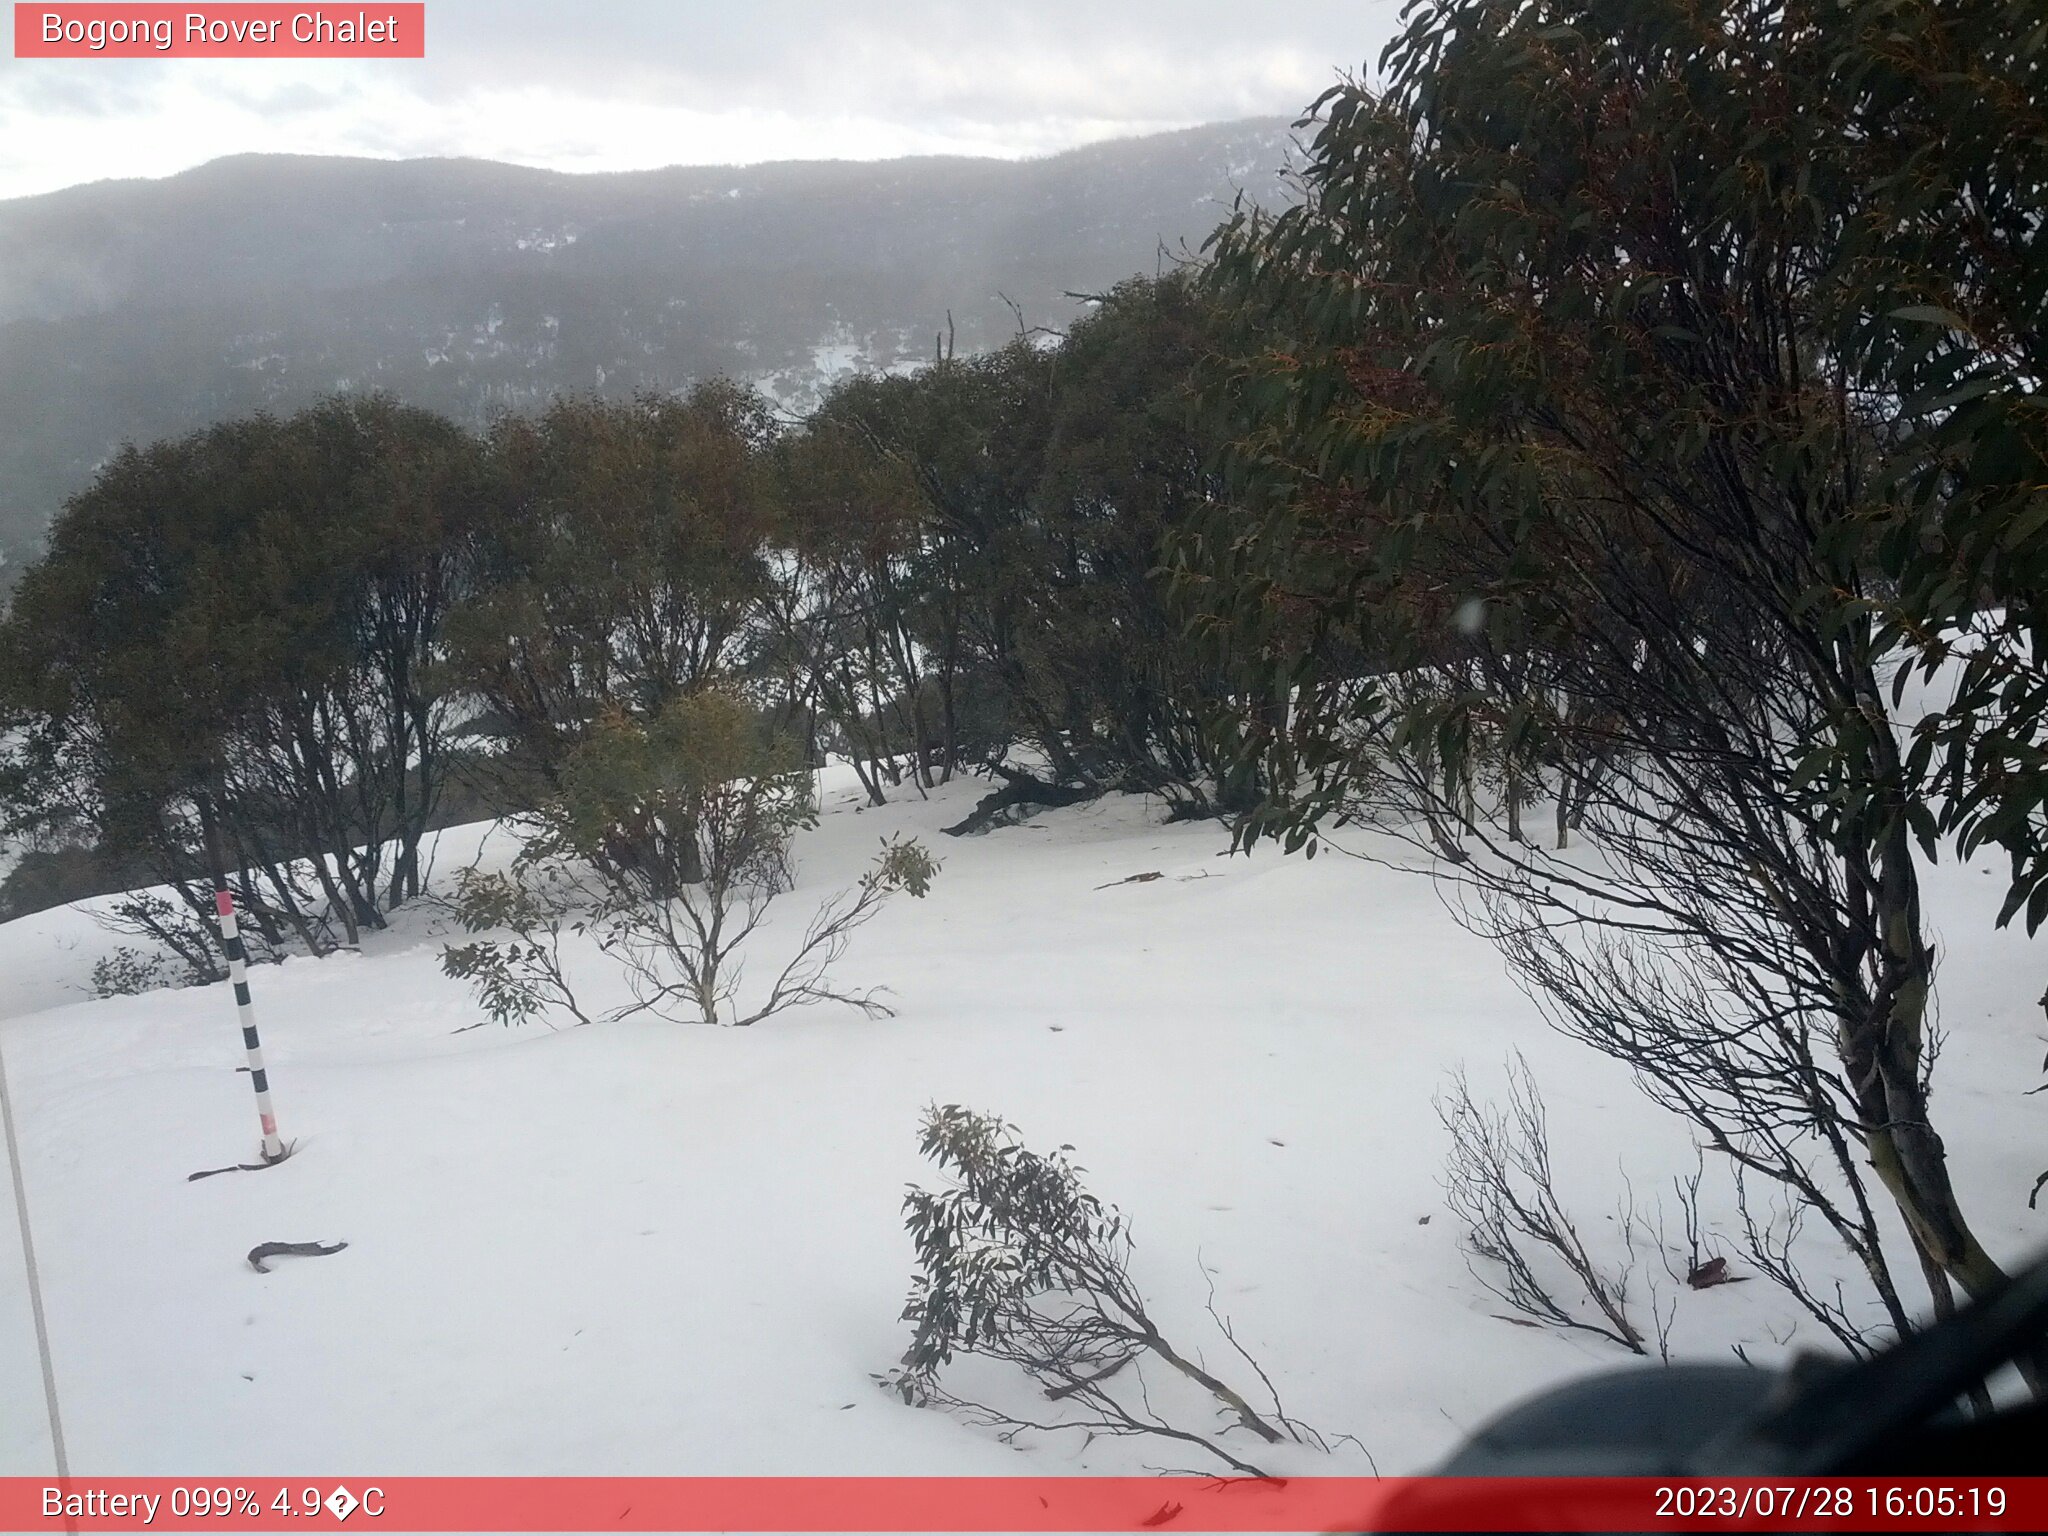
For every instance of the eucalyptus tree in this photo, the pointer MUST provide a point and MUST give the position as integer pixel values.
(1558, 406)
(618, 566)
(241, 627)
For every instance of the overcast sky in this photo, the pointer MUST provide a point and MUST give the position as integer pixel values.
(580, 85)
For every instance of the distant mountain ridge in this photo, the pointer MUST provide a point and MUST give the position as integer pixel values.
(131, 310)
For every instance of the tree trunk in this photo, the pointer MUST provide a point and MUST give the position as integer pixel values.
(1883, 1054)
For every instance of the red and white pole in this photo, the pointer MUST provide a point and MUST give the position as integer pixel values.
(238, 974)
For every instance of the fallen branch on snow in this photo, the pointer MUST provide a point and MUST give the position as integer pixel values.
(264, 1251)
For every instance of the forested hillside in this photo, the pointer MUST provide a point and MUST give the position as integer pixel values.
(135, 310)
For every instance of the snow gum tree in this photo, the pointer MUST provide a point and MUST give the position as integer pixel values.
(988, 533)
(1549, 394)
(249, 618)
(618, 567)
(685, 820)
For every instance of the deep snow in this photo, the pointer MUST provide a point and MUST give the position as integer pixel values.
(644, 1248)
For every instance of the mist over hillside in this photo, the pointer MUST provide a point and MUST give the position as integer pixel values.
(130, 310)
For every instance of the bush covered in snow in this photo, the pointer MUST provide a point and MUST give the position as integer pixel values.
(128, 972)
(519, 979)
(669, 841)
(1018, 1263)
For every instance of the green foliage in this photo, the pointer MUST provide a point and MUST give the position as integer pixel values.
(128, 972)
(995, 529)
(1943, 306)
(699, 793)
(1585, 384)
(501, 977)
(523, 979)
(1563, 316)
(1018, 1262)
(53, 877)
(1014, 1225)
(860, 619)
(177, 936)
(247, 613)
(904, 865)
(618, 563)
(678, 828)
(290, 616)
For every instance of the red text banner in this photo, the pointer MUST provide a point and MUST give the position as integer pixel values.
(1021, 1504)
(239, 31)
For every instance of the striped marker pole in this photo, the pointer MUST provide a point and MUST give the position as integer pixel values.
(238, 973)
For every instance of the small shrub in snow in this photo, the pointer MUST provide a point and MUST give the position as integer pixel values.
(903, 866)
(127, 972)
(685, 820)
(1018, 1263)
(667, 844)
(1500, 1185)
(178, 936)
(521, 979)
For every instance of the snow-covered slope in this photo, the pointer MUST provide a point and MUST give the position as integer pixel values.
(648, 1248)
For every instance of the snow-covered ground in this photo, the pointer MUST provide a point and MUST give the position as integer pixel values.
(650, 1248)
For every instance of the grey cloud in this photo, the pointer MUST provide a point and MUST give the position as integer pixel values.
(529, 80)
(977, 62)
(290, 100)
(67, 88)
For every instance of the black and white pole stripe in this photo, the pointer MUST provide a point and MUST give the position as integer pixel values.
(238, 973)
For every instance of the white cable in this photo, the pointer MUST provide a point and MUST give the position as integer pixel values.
(35, 1283)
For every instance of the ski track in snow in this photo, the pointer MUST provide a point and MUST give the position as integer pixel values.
(648, 1248)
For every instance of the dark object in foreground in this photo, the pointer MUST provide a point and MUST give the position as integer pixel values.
(264, 1251)
(268, 1162)
(1897, 1415)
